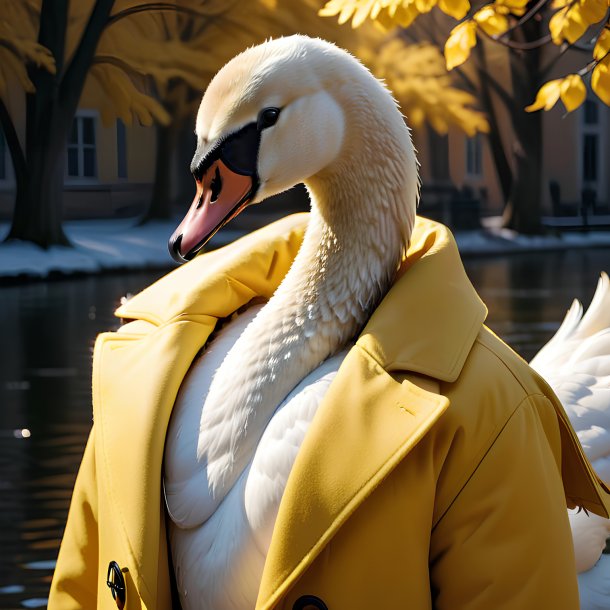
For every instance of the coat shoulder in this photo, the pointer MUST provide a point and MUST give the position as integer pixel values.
(494, 384)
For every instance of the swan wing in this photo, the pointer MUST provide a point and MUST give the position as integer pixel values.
(576, 364)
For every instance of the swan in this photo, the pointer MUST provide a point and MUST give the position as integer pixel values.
(576, 364)
(309, 91)
(291, 110)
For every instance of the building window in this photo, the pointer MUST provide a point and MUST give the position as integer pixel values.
(121, 149)
(82, 162)
(3, 156)
(591, 115)
(590, 142)
(474, 156)
(589, 157)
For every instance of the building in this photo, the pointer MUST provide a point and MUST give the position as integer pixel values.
(109, 170)
(576, 152)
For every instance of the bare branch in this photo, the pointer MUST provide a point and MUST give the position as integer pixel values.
(117, 62)
(537, 7)
(518, 46)
(154, 6)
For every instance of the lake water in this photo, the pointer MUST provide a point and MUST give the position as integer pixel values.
(47, 331)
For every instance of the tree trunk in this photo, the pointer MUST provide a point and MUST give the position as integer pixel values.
(161, 202)
(49, 115)
(171, 148)
(38, 205)
(524, 209)
(37, 214)
(494, 137)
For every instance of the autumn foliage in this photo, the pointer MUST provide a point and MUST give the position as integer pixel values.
(140, 52)
(568, 21)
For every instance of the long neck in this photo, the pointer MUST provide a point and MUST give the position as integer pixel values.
(362, 212)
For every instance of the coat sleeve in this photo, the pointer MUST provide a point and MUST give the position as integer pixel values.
(505, 541)
(75, 581)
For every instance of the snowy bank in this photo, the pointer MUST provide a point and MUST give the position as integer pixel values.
(103, 245)
(99, 245)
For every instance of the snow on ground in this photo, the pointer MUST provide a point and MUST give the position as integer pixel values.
(101, 245)
(505, 241)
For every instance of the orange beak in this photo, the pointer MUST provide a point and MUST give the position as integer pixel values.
(221, 195)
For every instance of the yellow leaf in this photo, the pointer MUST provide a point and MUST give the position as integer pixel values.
(458, 9)
(362, 12)
(425, 6)
(515, 7)
(547, 96)
(405, 15)
(490, 21)
(600, 81)
(592, 11)
(602, 46)
(572, 92)
(571, 22)
(462, 38)
(332, 8)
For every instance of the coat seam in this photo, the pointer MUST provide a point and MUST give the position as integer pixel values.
(506, 366)
(482, 454)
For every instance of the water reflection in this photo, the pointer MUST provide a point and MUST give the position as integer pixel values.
(47, 332)
(529, 294)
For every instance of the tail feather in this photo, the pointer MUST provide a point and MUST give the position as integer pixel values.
(576, 364)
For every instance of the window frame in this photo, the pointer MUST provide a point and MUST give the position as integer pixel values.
(599, 130)
(80, 147)
(477, 143)
(122, 157)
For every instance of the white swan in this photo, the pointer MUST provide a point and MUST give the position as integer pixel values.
(309, 92)
(576, 364)
(304, 111)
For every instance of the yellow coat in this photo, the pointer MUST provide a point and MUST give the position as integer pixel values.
(431, 476)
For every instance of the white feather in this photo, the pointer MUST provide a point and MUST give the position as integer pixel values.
(576, 364)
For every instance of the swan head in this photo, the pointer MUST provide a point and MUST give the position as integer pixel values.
(274, 116)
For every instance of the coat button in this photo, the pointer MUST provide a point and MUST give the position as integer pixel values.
(309, 602)
(116, 582)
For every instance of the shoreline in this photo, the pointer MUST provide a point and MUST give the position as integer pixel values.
(116, 246)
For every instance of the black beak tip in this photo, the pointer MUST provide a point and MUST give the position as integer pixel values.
(174, 249)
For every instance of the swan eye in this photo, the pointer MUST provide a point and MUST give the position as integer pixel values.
(268, 117)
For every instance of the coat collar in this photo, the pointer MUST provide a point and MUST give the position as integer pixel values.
(442, 312)
(438, 308)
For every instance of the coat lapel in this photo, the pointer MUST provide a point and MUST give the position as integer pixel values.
(137, 375)
(371, 418)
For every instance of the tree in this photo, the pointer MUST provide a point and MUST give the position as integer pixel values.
(149, 61)
(75, 46)
(527, 29)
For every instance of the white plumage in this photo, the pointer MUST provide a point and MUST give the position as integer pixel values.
(247, 402)
(576, 364)
(225, 553)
